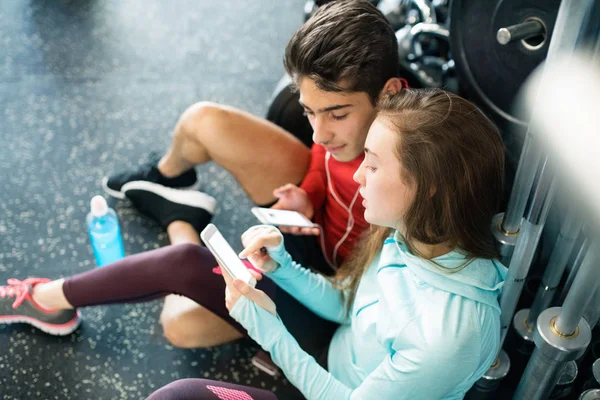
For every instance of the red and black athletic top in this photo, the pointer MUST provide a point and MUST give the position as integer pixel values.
(332, 216)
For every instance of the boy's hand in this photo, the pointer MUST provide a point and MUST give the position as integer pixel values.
(293, 198)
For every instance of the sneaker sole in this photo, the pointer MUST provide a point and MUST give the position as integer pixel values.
(51, 329)
(121, 195)
(186, 197)
(111, 192)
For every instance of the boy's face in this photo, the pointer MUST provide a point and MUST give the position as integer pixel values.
(340, 121)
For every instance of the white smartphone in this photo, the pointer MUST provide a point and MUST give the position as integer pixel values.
(227, 258)
(270, 216)
(262, 361)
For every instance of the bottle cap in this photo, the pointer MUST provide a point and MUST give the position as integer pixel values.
(98, 206)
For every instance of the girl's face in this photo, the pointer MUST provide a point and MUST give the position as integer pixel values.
(386, 195)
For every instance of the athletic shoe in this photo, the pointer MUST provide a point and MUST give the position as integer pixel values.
(166, 205)
(149, 172)
(17, 306)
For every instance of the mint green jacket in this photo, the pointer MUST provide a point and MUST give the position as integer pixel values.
(414, 331)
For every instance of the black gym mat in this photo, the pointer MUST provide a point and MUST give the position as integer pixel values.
(90, 87)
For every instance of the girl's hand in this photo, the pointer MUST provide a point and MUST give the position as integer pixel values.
(236, 288)
(256, 240)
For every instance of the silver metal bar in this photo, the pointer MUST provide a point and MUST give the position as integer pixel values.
(552, 348)
(580, 295)
(570, 16)
(423, 28)
(556, 265)
(542, 196)
(590, 29)
(539, 377)
(505, 242)
(596, 53)
(528, 165)
(524, 30)
(525, 248)
(426, 10)
(592, 313)
(552, 354)
(574, 269)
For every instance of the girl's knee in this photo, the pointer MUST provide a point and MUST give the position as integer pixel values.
(191, 256)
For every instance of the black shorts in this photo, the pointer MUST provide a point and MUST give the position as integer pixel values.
(306, 250)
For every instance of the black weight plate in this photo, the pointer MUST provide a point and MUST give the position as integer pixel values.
(489, 73)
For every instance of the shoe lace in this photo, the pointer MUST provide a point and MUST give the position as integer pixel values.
(19, 289)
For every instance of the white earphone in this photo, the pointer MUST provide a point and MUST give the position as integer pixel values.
(348, 209)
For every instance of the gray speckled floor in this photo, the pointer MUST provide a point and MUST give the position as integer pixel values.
(90, 87)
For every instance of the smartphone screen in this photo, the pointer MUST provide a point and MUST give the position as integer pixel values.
(226, 255)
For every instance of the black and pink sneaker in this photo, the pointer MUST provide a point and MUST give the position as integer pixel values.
(17, 306)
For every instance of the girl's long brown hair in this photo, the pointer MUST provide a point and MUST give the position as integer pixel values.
(454, 156)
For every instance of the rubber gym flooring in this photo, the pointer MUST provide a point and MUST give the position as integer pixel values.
(91, 87)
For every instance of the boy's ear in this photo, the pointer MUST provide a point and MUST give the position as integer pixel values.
(393, 85)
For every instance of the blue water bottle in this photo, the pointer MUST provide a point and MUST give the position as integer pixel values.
(105, 233)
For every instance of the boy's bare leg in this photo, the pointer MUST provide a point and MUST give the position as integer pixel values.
(186, 324)
(261, 156)
(258, 153)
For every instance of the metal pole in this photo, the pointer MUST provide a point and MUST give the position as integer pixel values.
(556, 266)
(527, 242)
(553, 351)
(579, 297)
(571, 15)
(592, 313)
(575, 267)
(561, 335)
(557, 338)
(569, 20)
(528, 165)
(423, 28)
(542, 373)
(591, 394)
(426, 10)
(564, 37)
(521, 31)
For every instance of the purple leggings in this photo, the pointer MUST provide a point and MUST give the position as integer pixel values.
(202, 389)
(188, 270)
(185, 269)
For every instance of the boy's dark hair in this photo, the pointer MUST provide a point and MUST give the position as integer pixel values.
(347, 46)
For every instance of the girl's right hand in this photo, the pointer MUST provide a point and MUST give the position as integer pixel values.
(256, 240)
